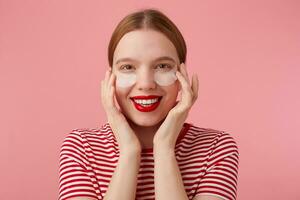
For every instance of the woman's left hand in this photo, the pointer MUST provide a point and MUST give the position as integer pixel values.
(169, 130)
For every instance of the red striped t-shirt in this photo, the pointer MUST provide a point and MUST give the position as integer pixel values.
(207, 159)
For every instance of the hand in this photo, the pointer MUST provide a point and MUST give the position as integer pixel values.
(169, 130)
(126, 138)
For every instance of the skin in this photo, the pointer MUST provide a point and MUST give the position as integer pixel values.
(159, 129)
(144, 47)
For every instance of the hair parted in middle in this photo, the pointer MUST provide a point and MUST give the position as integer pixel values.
(148, 19)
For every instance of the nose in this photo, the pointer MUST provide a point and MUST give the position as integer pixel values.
(145, 80)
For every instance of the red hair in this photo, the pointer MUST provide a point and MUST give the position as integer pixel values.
(148, 19)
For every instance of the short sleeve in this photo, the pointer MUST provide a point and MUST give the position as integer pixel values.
(74, 178)
(220, 179)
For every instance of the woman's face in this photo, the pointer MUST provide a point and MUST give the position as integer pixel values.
(146, 58)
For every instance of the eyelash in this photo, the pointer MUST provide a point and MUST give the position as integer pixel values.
(124, 66)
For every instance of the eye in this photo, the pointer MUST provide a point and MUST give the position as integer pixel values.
(164, 66)
(126, 67)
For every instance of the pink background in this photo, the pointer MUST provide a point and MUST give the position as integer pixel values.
(246, 54)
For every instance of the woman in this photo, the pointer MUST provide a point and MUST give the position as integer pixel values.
(146, 150)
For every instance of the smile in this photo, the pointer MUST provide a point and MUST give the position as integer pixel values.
(146, 103)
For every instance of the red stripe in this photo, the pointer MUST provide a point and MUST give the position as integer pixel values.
(77, 195)
(192, 142)
(218, 193)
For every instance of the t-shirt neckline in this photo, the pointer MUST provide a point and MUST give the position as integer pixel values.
(183, 131)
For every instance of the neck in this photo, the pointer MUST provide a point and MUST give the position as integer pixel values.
(145, 134)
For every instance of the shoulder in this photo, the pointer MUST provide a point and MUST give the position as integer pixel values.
(215, 134)
(216, 140)
(81, 141)
(80, 135)
(89, 137)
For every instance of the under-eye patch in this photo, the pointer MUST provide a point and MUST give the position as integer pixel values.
(165, 78)
(125, 79)
(162, 78)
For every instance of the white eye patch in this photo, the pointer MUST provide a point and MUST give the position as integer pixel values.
(165, 78)
(162, 78)
(125, 79)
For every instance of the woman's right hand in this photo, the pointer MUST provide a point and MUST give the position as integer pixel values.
(126, 138)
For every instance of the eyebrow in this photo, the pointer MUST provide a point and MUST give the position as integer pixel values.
(157, 59)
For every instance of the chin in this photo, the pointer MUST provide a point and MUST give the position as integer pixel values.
(146, 122)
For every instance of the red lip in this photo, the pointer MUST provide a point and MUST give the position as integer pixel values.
(148, 108)
(145, 97)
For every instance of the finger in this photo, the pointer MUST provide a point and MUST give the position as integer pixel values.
(178, 69)
(105, 88)
(112, 89)
(106, 75)
(107, 78)
(195, 86)
(109, 88)
(104, 96)
(187, 93)
(101, 90)
(105, 83)
(112, 93)
(184, 72)
(112, 79)
(184, 84)
(175, 103)
(112, 96)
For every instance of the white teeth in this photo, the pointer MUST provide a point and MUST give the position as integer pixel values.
(146, 102)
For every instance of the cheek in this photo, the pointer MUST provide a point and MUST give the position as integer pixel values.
(172, 92)
(121, 94)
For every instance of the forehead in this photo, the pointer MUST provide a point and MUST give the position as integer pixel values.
(145, 45)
